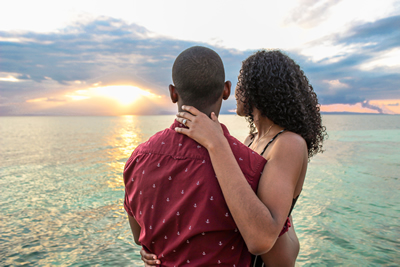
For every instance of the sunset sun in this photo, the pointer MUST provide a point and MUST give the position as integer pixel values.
(125, 94)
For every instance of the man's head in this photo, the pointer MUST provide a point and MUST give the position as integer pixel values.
(199, 79)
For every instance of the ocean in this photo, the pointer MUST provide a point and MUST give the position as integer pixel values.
(61, 191)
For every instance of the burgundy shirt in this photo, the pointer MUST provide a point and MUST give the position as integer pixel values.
(172, 192)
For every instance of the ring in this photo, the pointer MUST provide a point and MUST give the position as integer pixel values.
(184, 122)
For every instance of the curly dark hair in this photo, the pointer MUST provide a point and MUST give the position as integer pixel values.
(274, 84)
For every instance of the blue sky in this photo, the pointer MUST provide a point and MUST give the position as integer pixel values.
(69, 59)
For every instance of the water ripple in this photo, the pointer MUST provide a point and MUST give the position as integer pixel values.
(61, 199)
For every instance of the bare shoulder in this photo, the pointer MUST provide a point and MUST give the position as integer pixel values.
(248, 140)
(290, 142)
(293, 138)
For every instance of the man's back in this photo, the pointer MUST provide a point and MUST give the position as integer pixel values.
(172, 192)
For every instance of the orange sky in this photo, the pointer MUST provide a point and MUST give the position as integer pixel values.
(103, 100)
(388, 106)
(128, 99)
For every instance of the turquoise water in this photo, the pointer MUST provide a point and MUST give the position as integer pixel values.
(61, 191)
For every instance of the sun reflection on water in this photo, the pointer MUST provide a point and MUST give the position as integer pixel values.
(62, 194)
(123, 141)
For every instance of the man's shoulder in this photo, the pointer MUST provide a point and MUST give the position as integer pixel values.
(149, 145)
(154, 141)
(170, 143)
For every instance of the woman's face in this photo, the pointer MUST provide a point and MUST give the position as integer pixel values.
(239, 103)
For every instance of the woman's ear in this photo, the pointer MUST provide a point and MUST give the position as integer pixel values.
(173, 94)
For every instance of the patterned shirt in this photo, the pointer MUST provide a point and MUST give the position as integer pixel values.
(173, 193)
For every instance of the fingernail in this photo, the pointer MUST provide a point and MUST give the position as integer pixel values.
(154, 257)
(158, 262)
(183, 107)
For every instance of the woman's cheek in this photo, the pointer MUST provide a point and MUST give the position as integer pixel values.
(239, 108)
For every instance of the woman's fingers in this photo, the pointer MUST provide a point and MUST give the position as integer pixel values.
(185, 122)
(149, 259)
(191, 109)
(146, 255)
(185, 115)
(182, 131)
(205, 131)
(150, 263)
(214, 117)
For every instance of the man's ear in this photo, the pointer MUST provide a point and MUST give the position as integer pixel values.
(173, 94)
(227, 90)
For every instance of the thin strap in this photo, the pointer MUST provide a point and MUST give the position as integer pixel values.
(258, 262)
(270, 141)
(252, 140)
(293, 203)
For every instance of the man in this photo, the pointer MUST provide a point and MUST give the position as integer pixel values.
(174, 203)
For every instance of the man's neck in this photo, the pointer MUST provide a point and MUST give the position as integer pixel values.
(206, 111)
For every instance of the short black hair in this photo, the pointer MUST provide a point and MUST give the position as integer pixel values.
(199, 76)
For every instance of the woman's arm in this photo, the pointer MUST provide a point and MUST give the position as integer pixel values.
(135, 227)
(148, 258)
(259, 219)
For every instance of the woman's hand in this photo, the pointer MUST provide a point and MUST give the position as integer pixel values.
(205, 131)
(149, 259)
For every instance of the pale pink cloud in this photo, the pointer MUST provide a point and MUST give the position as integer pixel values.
(335, 84)
(356, 108)
(389, 106)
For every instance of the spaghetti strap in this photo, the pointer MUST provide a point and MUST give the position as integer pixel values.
(257, 261)
(270, 141)
(251, 142)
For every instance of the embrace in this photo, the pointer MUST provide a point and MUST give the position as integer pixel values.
(197, 196)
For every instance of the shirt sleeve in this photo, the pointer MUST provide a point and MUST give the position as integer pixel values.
(127, 205)
(259, 164)
(251, 163)
(127, 176)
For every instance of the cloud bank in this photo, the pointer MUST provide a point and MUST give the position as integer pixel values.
(108, 51)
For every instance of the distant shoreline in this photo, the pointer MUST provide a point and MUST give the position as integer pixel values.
(354, 113)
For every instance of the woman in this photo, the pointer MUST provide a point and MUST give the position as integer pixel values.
(285, 127)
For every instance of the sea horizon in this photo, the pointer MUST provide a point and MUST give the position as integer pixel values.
(173, 113)
(62, 190)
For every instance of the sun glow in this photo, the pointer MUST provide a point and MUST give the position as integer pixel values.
(125, 94)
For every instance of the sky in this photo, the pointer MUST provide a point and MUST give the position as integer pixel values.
(98, 58)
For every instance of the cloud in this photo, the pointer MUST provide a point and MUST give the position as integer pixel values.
(383, 33)
(335, 84)
(366, 104)
(346, 56)
(47, 99)
(388, 106)
(104, 51)
(108, 51)
(105, 47)
(393, 105)
(309, 13)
